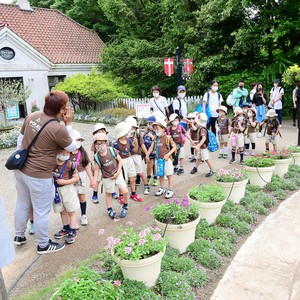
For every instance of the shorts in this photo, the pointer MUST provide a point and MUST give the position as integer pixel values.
(203, 154)
(168, 168)
(251, 137)
(138, 163)
(181, 152)
(109, 184)
(81, 184)
(129, 168)
(68, 199)
(271, 139)
(223, 138)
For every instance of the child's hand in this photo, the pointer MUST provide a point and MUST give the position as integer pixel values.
(147, 159)
(115, 176)
(60, 181)
(166, 157)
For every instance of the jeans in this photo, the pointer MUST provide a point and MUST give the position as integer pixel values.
(279, 113)
(212, 124)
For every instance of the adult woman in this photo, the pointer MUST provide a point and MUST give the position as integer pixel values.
(34, 181)
(276, 95)
(214, 100)
(259, 101)
(158, 104)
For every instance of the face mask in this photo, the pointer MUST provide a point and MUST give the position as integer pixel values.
(241, 86)
(245, 110)
(62, 157)
(175, 123)
(181, 95)
(214, 88)
(156, 94)
(250, 114)
(259, 89)
(240, 118)
(158, 133)
(222, 115)
(78, 144)
(101, 148)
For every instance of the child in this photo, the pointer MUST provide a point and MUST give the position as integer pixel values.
(164, 146)
(222, 128)
(193, 132)
(124, 145)
(250, 132)
(237, 134)
(66, 201)
(136, 153)
(146, 142)
(80, 161)
(201, 147)
(109, 162)
(272, 129)
(178, 134)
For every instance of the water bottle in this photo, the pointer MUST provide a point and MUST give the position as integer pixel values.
(160, 167)
(233, 140)
(56, 197)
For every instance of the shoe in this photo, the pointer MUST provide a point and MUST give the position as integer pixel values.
(114, 196)
(210, 173)
(84, 220)
(62, 233)
(138, 182)
(147, 190)
(71, 238)
(52, 247)
(232, 161)
(136, 197)
(193, 159)
(149, 180)
(180, 171)
(121, 200)
(253, 153)
(95, 199)
(160, 192)
(220, 156)
(247, 153)
(169, 194)
(175, 170)
(241, 162)
(155, 182)
(112, 213)
(191, 156)
(294, 124)
(31, 229)
(124, 211)
(194, 170)
(20, 240)
(258, 134)
(225, 156)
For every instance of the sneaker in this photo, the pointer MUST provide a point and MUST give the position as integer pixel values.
(84, 220)
(180, 171)
(225, 156)
(114, 196)
(193, 159)
(232, 161)
(155, 182)
(191, 156)
(253, 153)
(147, 190)
(149, 180)
(121, 200)
(220, 156)
(210, 173)
(294, 124)
(95, 199)
(169, 194)
(31, 229)
(20, 240)
(52, 247)
(247, 152)
(124, 211)
(160, 192)
(136, 197)
(62, 233)
(112, 213)
(194, 170)
(71, 238)
(175, 170)
(258, 134)
(241, 161)
(138, 182)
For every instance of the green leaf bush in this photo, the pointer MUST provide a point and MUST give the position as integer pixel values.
(207, 193)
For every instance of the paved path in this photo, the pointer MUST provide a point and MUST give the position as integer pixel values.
(28, 270)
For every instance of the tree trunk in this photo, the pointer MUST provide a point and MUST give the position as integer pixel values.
(4, 117)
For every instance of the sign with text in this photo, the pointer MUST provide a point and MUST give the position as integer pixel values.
(143, 110)
(12, 112)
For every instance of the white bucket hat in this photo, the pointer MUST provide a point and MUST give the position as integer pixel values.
(237, 111)
(100, 137)
(201, 119)
(173, 117)
(122, 129)
(252, 109)
(160, 122)
(77, 136)
(222, 107)
(271, 113)
(132, 121)
(99, 126)
(191, 115)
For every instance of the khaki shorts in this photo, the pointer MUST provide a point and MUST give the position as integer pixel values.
(109, 184)
(138, 163)
(168, 168)
(81, 184)
(251, 137)
(223, 138)
(129, 168)
(269, 139)
(181, 152)
(69, 200)
(203, 154)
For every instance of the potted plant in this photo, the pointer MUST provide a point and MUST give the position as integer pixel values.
(233, 182)
(210, 199)
(138, 253)
(295, 153)
(282, 160)
(260, 169)
(178, 220)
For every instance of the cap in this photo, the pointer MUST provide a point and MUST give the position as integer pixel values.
(181, 88)
(151, 119)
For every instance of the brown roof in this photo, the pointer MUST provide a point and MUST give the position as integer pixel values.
(53, 34)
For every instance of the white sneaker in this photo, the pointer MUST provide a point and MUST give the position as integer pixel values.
(169, 194)
(160, 192)
(84, 220)
(258, 134)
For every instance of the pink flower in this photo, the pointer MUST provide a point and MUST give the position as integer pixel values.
(156, 236)
(128, 250)
(148, 208)
(117, 283)
(101, 231)
(168, 201)
(142, 241)
(116, 241)
(129, 223)
(107, 247)
(157, 229)
(124, 233)
(175, 201)
(142, 234)
(116, 220)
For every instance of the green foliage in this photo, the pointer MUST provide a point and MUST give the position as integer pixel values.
(279, 194)
(177, 264)
(230, 221)
(9, 138)
(293, 149)
(223, 246)
(291, 75)
(233, 175)
(196, 277)
(259, 162)
(278, 183)
(252, 188)
(252, 204)
(207, 193)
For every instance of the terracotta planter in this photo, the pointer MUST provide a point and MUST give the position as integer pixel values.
(295, 159)
(146, 270)
(260, 176)
(209, 210)
(236, 191)
(282, 166)
(179, 236)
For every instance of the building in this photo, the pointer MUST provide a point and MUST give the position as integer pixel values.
(42, 46)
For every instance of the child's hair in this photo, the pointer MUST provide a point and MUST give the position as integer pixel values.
(84, 157)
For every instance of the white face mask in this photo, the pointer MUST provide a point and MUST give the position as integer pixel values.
(245, 110)
(240, 118)
(222, 115)
(158, 133)
(62, 157)
(181, 95)
(155, 94)
(175, 123)
(100, 148)
(78, 144)
(214, 88)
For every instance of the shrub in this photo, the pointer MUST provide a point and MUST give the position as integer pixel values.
(9, 139)
(279, 194)
(229, 221)
(233, 175)
(259, 162)
(207, 193)
(177, 264)
(196, 277)
(252, 188)
(223, 246)
(253, 205)
(293, 149)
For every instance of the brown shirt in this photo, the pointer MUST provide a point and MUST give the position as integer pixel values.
(251, 129)
(194, 134)
(73, 158)
(66, 172)
(236, 128)
(203, 133)
(176, 134)
(42, 155)
(137, 140)
(223, 125)
(271, 126)
(109, 164)
(163, 145)
(124, 149)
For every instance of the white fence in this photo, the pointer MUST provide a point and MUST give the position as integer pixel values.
(132, 102)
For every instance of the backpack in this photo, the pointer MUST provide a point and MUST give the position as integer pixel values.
(147, 140)
(171, 109)
(113, 153)
(212, 145)
(282, 97)
(183, 138)
(199, 108)
(230, 101)
(115, 145)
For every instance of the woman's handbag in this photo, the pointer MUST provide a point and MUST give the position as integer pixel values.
(17, 160)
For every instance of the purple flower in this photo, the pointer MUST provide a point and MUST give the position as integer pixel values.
(185, 203)
(168, 201)
(175, 201)
(128, 250)
(148, 208)
(117, 283)
(116, 241)
(142, 241)
(156, 236)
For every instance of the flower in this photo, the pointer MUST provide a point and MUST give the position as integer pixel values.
(142, 241)
(156, 236)
(101, 231)
(117, 283)
(148, 208)
(230, 175)
(128, 250)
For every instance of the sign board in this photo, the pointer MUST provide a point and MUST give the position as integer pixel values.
(188, 67)
(12, 112)
(169, 66)
(143, 110)
(7, 53)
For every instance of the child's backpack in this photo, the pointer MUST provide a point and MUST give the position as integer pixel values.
(183, 138)
(113, 153)
(212, 145)
(115, 145)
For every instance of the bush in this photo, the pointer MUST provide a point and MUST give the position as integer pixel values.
(207, 193)
(279, 194)
(227, 220)
(259, 162)
(196, 277)
(9, 139)
(177, 264)
(223, 246)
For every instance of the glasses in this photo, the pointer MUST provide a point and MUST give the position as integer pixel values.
(100, 143)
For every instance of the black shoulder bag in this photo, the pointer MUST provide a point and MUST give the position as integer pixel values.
(17, 160)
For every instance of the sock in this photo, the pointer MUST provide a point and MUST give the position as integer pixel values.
(181, 167)
(154, 177)
(120, 195)
(125, 205)
(146, 185)
(149, 177)
(109, 209)
(253, 146)
(95, 193)
(267, 149)
(73, 230)
(225, 150)
(66, 227)
(83, 208)
(233, 155)
(242, 155)
(192, 151)
(221, 150)
(132, 193)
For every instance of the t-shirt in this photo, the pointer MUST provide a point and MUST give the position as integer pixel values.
(159, 106)
(183, 107)
(274, 95)
(194, 134)
(213, 102)
(136, 142)
(235, 125)
(161, 146)
(203, 133)
(124, 149)
(73, 158)
(257, 99)
(176, 134)
(223, 125)
(66, 173)
(271, 126)
(42, 155)
(251, 129)
(109, 164)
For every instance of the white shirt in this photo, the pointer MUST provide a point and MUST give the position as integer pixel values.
(213, 103)
(274, 95)
(183, 107)
(159, 106)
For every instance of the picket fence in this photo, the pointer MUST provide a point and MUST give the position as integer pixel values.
(132, 102)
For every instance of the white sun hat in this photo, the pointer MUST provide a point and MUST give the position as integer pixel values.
(160, 122)
(99, 126)
(122, 129)
(201, 119)
(131, 120)
(77, 136)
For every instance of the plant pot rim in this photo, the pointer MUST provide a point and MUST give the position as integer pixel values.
(188, 194)
(180, 226)
(261, 168)
(283, 160)
(236, 183)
